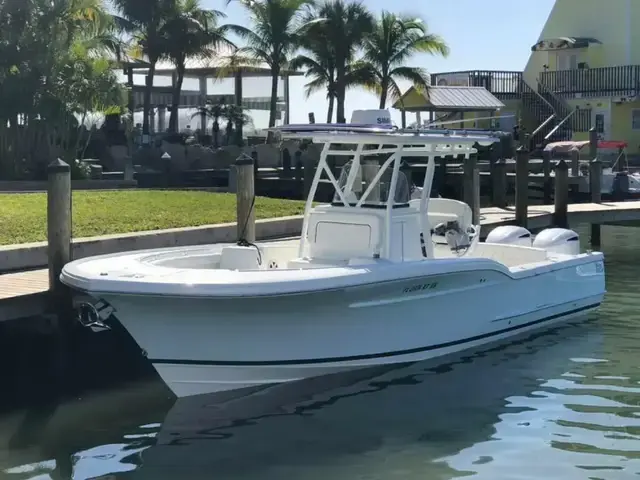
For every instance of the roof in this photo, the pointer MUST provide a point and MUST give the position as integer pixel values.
(563, 43)
(449, 99)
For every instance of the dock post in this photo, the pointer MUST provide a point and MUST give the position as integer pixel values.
(595, 187)
(308, 172)
(471, 186)
(245, 197)
(128, 169)
(561, 197)
(298, 165)
(575, 162)
(254, 156)
(546, 172)
(522, 186)
(286, 163)
(593, 143)
(499, 188)
(59, 231)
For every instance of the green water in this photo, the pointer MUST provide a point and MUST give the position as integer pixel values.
(563, 404)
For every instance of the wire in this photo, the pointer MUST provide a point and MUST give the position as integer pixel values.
(242, 240)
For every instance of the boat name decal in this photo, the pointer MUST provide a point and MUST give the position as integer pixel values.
(599, 267)
(419, 288)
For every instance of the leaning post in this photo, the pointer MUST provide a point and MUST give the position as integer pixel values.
(522, 186)
(245, 194)
(59, 231)
(561, 197)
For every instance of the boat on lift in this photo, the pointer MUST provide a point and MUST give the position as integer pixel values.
(376, 277)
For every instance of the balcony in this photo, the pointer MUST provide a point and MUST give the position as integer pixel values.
(621, 81)
(504, 85)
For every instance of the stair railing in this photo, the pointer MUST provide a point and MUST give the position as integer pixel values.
(562, 122)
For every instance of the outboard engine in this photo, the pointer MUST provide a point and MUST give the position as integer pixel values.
(558, 240)
(510, 235)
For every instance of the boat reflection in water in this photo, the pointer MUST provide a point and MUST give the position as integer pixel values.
(412, 418)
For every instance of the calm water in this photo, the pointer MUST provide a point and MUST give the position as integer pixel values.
(560, 405)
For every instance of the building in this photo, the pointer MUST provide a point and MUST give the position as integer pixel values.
(583, 71)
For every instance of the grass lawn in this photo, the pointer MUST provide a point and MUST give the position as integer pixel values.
(23, 216)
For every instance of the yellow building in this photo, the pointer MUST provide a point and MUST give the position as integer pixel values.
(583, 71)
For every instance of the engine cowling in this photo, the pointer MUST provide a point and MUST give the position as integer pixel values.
(510, 235)
(558, 240)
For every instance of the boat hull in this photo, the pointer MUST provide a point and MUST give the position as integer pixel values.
(207, 345)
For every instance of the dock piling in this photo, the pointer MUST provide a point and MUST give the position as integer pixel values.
(309, 170)
(286, 163)
(245, 197)
(58, 230)
(561, 197)
(595, 187)
(499, 180)
(522, 186)
(471, 186)
(575, 162)
(298, 165)
(546, 172)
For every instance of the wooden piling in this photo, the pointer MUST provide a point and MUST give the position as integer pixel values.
(561, 196)
(256, 167)
(499, 180)
(595, 183)
(58, 231)
(595, 186)
(575, 162)
(522, 186)
(546, 172)
(298, 165)
(128, 168)
(309, 170)
(245, 195)
(286, 163)
(471, 186)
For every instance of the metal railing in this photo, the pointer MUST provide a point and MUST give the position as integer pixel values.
(591, 82)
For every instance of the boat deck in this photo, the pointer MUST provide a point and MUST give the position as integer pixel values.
(23, 294)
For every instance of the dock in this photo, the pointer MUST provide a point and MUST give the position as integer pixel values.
(24, 294)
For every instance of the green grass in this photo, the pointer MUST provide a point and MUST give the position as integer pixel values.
(23, 215)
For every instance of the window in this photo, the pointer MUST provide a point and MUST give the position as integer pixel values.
(635, 119)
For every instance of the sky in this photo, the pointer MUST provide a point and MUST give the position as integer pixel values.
(482, 35)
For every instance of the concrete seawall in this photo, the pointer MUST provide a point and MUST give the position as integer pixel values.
(34, 255)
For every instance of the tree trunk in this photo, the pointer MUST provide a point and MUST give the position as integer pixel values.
(332, 99)
(275, 76)
(340, 95)
(175, 100)
(146, 109)
(384, 90)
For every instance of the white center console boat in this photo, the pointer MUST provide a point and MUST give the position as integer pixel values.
(375, 278)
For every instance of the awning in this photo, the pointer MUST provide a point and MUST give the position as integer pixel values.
(563, 43)
(449, 99)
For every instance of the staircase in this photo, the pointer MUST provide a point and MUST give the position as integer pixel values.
(543, 112)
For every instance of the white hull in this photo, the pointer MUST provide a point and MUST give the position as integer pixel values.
(203, 346)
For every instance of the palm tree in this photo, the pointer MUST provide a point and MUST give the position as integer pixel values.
(144, 21)
(274, 35)
(192, 32)
(393, 41)
(345, 26)
(319, 66)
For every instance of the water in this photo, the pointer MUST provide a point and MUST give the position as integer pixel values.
(559, 405)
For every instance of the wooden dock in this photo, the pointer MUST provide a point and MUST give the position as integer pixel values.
(24, 294)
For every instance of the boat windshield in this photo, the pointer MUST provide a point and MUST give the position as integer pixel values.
(354, 182)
